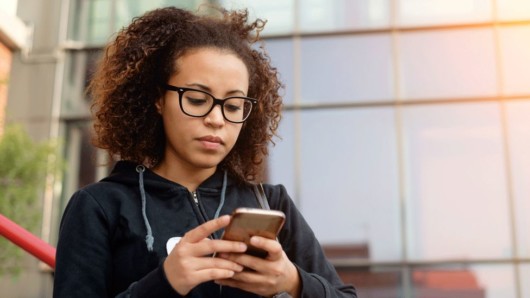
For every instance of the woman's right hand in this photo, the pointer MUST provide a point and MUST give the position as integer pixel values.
(190, 263)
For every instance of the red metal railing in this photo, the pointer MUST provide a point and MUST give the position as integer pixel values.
(27, 241)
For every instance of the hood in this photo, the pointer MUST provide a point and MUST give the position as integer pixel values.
(125, 172)
(132, 174)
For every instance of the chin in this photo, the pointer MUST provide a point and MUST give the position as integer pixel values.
(206, 166)
(208, 162)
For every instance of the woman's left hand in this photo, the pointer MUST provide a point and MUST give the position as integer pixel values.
(267, 277)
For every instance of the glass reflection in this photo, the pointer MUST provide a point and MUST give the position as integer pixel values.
(278, 13)
(282, 57)
(282, 159)
(477, 281)
(373, 282)
(447, 64)
(519, 145)
(524, 277)
(348, 160)
(95, 21)
(333, 15)
(80, 66)
(433, 12)
(509, 10)
(81, 156)
(457, 198)
(346, 69)
(515, 46)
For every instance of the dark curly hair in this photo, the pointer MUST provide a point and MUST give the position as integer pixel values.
(127, 84)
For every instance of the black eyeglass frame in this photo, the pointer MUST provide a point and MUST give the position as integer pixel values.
(216, 101)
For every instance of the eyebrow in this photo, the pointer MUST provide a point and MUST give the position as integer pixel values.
(207, 89)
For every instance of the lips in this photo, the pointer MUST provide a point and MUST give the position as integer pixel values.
(211, 139)
(211, 143)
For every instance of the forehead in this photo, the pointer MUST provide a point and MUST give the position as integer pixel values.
(211, 66)
(203, 52)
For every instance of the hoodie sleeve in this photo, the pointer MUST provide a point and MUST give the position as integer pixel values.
(318, 277)
(84, 256)
(83, 262)
(155, 284)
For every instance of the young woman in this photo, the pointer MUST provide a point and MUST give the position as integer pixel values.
(188, 107)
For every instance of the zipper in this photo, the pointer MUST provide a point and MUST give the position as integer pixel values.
(200, 211)
(195, 198)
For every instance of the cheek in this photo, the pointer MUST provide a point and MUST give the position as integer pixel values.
(172, 114)
(234, 133)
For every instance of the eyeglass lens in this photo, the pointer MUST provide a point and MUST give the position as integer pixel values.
(197, 103)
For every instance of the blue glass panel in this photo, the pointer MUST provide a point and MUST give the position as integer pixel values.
(282, 163)
(333, 15)
(279, 14)
(349, 179)
(346, 69)
(282, 57)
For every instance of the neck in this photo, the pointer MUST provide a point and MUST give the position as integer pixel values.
(189, 178)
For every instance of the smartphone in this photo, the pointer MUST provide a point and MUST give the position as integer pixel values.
(248, 222)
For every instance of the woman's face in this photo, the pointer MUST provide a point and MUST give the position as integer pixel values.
(196, 143)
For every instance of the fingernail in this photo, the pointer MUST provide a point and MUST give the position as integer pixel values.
(254, 240)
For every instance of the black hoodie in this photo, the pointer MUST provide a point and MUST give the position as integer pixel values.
(102, 249)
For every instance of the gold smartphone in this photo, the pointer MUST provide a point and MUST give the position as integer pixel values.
(248, 222)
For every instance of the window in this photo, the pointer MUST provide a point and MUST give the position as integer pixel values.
(346, 69)
(348, 178)
(457, 203)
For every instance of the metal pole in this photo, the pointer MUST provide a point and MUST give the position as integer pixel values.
(27, 241)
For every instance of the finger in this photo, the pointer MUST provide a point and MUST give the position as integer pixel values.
(248, 261)
(216, 263)
(204, 248)
(273, 247)
(206, 229)
(212, 274)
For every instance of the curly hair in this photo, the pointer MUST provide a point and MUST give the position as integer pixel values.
(127, 84)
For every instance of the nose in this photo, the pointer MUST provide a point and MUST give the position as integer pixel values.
(215, 117)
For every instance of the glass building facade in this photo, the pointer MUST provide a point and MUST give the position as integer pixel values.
(405, 136)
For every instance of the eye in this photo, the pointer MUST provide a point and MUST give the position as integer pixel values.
(196, 98)
(232, 108)
(234, 104)
(196, 101)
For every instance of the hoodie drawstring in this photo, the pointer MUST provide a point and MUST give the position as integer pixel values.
(149, 239)
(222, 202)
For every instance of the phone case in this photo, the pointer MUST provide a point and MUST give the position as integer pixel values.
(248, 222)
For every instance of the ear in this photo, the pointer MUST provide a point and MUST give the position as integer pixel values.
(159, 104)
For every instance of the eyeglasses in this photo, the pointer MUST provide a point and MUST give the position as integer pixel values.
(198, 103)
